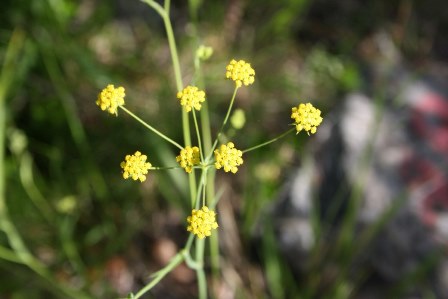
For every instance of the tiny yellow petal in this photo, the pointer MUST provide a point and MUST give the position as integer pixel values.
(241, 72)
(201, 222)
(306, 117)
(135, 167)
(188, 158)
(110, 98)
(228, 157)
(191, 97)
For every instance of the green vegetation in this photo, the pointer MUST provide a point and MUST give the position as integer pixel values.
(71, 227)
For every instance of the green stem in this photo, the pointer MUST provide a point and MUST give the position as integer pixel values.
(205, 126)
(268, 142)
(202, 282)
(9, 255)
(204, 190)
(156, 6)
(207, 143)
(214, 238)
(192, 264)
(165, 168)
(179, 85)
(175, 261)
(187, 140)
(176, 67)
(223, 124)
(202, 181)
(172, 45)
(205, 117)
(198, 135)
(152, 128)
(189, 242)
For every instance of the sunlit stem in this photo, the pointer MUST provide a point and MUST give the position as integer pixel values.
(165, 168)
(156, 6)
(9, 255)
(205, 118)
(202, 283)
(202, 182)
(207, 143)
(192, 264)
(151, 128)
(203, 195)
(176, 67)
(198, 134)
(223, 124)
(268, 142)
(180, 86)
(175, 261)
(189, 242)
(164, 12)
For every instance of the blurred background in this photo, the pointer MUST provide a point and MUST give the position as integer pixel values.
(358, 210)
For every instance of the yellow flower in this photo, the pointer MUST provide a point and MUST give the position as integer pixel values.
(189, 157)
(135, 167)
(228, 157)
(241, 72)
(201, 222)
(306, 118)
(191, 97)
(110, 98)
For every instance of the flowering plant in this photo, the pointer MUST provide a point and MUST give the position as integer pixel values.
(204, 158)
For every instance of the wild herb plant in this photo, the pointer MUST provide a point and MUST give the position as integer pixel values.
(200, 157)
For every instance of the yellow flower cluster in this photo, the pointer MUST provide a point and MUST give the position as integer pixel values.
(228, 157)
(306, 118)
(191, 97)
(201, 222)
(135, 167)
(110, 98)
(189, 157)
(241, 72)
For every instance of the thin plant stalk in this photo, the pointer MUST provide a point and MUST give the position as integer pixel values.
(207, 140)
(202, 282)
(179, 85)
(164, 13)
(175, 261)
(185, 123)
(198, 135)
(268, 142)
(223, 124)
(152, 128)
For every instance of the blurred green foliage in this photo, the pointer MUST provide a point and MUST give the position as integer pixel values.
(64, 191)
